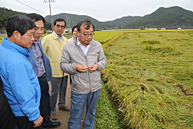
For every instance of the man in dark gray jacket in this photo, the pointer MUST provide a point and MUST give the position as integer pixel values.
(83, 59)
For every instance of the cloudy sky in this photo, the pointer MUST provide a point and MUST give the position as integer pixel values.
(102, 10)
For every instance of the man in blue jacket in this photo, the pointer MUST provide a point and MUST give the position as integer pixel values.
(41, 66)
(20, 83)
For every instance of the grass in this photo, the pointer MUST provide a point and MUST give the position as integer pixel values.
(107, 116)
(150, 74)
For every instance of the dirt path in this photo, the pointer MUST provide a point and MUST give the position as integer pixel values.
(63, 116)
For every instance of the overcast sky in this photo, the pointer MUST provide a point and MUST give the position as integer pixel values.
(102, 10)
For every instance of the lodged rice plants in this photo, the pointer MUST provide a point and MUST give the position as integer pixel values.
(150, 75)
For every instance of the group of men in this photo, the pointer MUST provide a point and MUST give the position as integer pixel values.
(27, 64)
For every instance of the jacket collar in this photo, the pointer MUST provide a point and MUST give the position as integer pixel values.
(12, 46)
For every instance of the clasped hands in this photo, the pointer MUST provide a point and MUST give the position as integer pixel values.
(82, 68)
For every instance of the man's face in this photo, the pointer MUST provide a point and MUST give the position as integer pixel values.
(25, 41)
(85, 36)
(39, 29)
(59, 27)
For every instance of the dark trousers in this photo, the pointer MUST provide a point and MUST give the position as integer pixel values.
(7, 118)
(59, 84)
(45, 101)
(24, 123)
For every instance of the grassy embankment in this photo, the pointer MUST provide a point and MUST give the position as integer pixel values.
(150, 75)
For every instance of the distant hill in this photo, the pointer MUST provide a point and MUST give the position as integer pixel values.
(5, 13)
(73, 19)
(162, 18)
(121, 22)
(165, 17)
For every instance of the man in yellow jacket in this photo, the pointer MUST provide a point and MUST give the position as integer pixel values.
(52, 45)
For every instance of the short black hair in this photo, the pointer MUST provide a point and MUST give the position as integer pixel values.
(20, 23)
(36, 17)
(87, 23)
(74, 28)
(60, 19)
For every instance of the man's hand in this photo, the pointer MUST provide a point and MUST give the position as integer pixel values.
(38, 122)
(81, 68)
(93, 68)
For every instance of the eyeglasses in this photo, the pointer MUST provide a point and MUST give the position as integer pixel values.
(60, 26)
(91, 35)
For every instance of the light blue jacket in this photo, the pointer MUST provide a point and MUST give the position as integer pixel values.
(46, 60)
(20, 83)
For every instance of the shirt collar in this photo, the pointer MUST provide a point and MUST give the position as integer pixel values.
(37, 41)
(58, 36)
(78, 43)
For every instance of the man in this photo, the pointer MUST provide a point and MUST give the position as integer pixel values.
(83, 59)
(8, 120)
(41, 66)
(20, 83)
(52, 46)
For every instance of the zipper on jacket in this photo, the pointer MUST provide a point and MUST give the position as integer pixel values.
(88, 73)
(86, 63)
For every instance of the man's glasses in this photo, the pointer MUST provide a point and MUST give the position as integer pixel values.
(91, 35)
(60, 26)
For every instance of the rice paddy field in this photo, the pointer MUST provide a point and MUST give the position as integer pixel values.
(150, 75)
(104, 36)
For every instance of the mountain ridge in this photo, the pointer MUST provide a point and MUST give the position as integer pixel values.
(174, 16)
(165, 17)
(161, 18)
